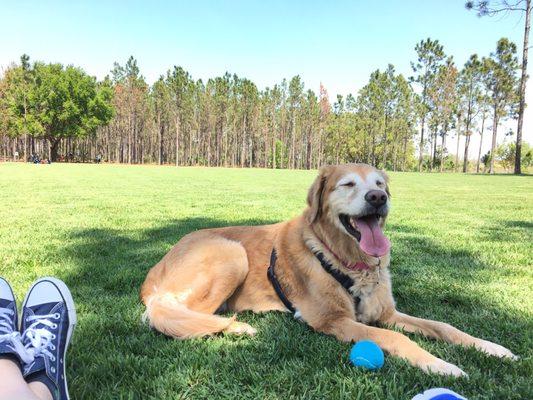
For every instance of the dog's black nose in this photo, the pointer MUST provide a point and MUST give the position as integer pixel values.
(376, 198)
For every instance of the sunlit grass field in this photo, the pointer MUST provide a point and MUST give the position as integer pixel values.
(462, 253)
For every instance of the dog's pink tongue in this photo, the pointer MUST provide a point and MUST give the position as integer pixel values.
(373, 242)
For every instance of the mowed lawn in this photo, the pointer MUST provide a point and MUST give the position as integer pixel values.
(462, 253)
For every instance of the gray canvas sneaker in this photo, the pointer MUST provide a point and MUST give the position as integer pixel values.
(47, 322)
(11, 346)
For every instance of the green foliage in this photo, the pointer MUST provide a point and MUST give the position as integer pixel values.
(53, 102)
(280, 152)
(229, 121)
(485, 159)
(386, 116)
(65, 102)
(430, 57)
(501, 83)
(500, 78)
(430, 54)
(505, 154)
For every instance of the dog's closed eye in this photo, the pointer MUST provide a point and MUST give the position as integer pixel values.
(349, 184)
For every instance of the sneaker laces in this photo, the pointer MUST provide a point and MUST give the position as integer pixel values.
(7, 334)
(39, 340)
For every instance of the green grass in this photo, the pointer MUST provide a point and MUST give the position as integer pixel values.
(462, 252)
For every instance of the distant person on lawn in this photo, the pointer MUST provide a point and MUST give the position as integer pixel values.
(32, 359)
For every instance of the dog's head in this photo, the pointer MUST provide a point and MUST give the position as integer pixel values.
(355, 199)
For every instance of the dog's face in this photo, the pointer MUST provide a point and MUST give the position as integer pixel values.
(355, 198)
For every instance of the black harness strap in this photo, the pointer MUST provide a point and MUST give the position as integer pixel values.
(345, 281)
(275, 283)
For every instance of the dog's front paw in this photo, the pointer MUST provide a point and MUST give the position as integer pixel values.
(494, 349)
(444, 368)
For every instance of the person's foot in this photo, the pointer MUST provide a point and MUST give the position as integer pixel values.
(11, 346)
(47, 322)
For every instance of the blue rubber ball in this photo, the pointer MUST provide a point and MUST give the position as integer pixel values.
(367, 354)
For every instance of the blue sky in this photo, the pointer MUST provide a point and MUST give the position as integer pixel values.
(335, 42)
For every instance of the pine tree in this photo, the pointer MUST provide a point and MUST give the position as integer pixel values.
(501, 84)
(430, 56)
(492, 8)
(470, 92)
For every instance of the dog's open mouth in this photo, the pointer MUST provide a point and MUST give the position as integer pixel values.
(367, 231)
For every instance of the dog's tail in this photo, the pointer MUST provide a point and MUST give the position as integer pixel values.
(167, 315)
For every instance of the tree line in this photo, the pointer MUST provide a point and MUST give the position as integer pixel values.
(62, 113)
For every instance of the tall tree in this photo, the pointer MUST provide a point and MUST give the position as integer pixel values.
(296, 88)
(494, 7)
(131, 103)
(501, 84)
(430, 56)
(470, 92)
(60, 102)
(180, 86)
(443, 99)
(484, 111)
(161, 100)
(325, 110)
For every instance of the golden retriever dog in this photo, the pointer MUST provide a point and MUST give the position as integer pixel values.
(329, 266)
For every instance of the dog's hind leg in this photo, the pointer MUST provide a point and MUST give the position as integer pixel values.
(184, 290)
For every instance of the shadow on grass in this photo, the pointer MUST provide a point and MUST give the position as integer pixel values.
(286, 358)
(527, 225)
(120, 259)
(507, 231)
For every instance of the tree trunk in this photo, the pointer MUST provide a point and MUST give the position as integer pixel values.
(385, 142)
(265, 147)
(465, 160)
(243, 148)
(430, 142)
(404, 159)
(467, 143)
(129, 138)
(161, 129)
(25, 149)
(517, 164)
(442, 148)
(108, 145)
(177, 124)
(421, 151)
(141, 149)
(134, 141)
(373, 148)
(274, 144)
(480, 142)
(457, 151)
(493, 145)
(434, 159)
(219, 140)
(467, 136)
(14, 149)
(292, 161)
(53, 145)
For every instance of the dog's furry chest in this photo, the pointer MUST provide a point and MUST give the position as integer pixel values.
(366, 294)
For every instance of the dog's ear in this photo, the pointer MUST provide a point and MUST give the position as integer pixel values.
(315, 195)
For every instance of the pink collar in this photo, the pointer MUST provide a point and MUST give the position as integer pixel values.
(358, 266)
